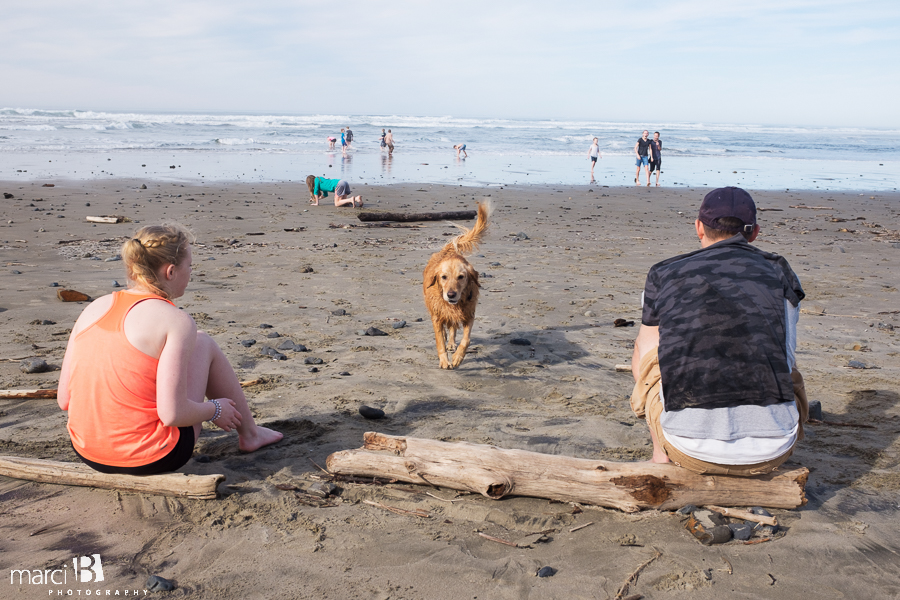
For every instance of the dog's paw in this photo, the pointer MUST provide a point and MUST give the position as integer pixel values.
(457, 359)
(445, 364)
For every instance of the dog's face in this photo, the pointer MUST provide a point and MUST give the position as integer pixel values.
(455, 276)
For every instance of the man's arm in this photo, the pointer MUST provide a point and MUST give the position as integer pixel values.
(647, 340)
(636, 144)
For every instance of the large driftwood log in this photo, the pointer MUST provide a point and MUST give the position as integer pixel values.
(458, 215)
(495, 473)
(202, 487)
(27, 394)
(51, 394)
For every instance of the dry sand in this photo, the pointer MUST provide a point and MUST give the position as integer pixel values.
(582, 266)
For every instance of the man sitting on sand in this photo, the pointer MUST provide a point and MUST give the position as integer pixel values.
(713, 361)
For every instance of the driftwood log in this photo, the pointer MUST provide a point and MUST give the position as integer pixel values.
(458, 215)
(51, 394)
(495, 473)
(27, 394)
(201, 487)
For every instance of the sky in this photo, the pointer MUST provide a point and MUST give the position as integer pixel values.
(779, 62)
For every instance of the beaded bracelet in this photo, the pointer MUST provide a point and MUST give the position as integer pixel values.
(218, 410)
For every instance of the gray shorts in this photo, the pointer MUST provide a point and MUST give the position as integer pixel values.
(342, 188)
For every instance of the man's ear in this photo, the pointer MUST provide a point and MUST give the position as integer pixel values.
(701, 232)
(433, 281)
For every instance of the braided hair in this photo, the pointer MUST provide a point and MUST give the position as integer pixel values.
(152, 247)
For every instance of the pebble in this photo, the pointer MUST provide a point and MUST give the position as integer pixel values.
(344, 374)
(323, 489)
(314, 369)
(112, 258)
(399, 325)
(371, 413)
(155, 583)
(623, 323)
(522, 236)
(485, 275)
(360, 332)
(313, 360)
(339, 312)
(839, 249)
(856, 364)
(495, 264)
(766, 530)
(34, 365)
(268, 351)
(520, 342)
(858, 346)
(300, 348)
(279, 356)
(590, 313)
(815, 410)
(759, 510)
(546, 572)
(286, 345)
(201, 458)
(238, 265)
(307, 270)
(54, 284)
(686, 510)
(115, 284)
(419, 320)
(247, 343)
(740, 531)
(273, 335)
(14, 272)
(265, 326)
(374, 331)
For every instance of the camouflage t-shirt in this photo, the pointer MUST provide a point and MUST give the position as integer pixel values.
(720, 313)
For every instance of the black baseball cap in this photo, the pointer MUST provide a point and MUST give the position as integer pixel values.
(728, 202)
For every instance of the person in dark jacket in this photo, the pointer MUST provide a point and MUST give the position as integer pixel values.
(714, 360)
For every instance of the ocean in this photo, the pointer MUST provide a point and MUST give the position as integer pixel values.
(83, 144)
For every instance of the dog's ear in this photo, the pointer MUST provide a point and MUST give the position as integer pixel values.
(433, 281)
(473, 275)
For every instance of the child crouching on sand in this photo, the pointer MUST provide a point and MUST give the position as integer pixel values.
(136, 369)
(320, 186)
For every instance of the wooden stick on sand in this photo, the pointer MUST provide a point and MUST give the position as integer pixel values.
(496, 473)
(51, 394)
(743, 514)
(201, 487)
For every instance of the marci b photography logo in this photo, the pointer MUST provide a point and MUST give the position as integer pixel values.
(87, 569)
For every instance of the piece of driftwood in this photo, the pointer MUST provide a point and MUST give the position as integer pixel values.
(27, 394)
(409, 217)
(746, 515)
(623, 368)
(495, 473)
(201, 487)
(813, 207)
(72, 296)
(51, 394)
(110, 220)
(371, 225)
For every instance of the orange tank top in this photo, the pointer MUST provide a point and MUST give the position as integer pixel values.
(112, 393)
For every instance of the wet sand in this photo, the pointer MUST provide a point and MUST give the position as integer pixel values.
(580, 264)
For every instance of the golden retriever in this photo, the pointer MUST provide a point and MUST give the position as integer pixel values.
(451, 286)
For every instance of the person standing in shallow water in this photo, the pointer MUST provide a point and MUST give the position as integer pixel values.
(349, 137)
(594, 153)
(655, 157)
(389, 140)
(136, 369)
(641, 151)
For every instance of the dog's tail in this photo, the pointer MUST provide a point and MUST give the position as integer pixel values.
(468, 241)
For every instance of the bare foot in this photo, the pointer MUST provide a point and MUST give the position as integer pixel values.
(263, 436)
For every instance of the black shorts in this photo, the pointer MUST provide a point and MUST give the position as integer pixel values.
(174, 460)
(656, 165)
(593, 159)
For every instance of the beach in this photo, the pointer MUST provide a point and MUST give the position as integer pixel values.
(559, 265)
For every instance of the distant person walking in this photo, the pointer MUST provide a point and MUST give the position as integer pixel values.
(641, 151)
(389, 140)
(461, 148)
(343, 140)
(594, 153)
(383, 143)
(655, 157)
(349, 137)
